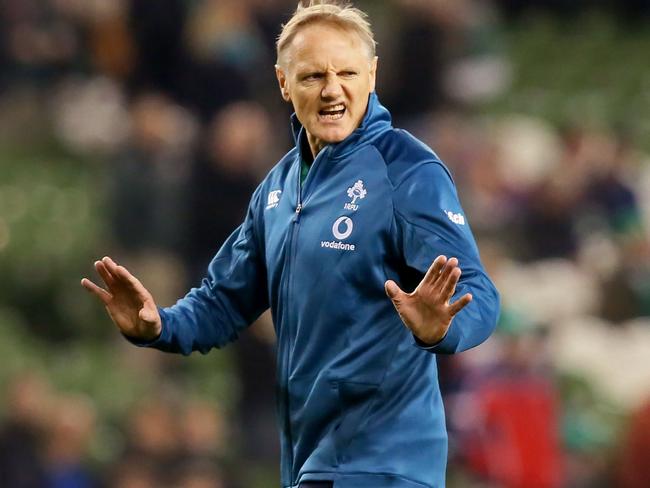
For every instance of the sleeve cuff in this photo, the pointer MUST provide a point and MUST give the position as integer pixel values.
(446, 345)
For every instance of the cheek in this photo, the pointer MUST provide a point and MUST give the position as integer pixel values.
(359, 104)
(304, 104)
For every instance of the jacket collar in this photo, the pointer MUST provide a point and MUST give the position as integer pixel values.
(376, 121)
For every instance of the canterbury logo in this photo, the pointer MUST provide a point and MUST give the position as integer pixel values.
(273, 199)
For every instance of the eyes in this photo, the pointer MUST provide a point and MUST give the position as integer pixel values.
(348, 74)
(317, 76)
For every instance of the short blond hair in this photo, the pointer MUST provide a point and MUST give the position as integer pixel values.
(332, 12)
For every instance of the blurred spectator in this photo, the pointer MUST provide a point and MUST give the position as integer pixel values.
(199, 474)
(511, 438)
(549, 221)
(90, 114)
(160, 53)
(134, 474)
(40, 43)
(202, 431)
(634, 10)
(22, 433)
(153, 437)
(255, 415)
(110, 40)
(225, 29)
(236, 149)
(453, 46)
(149, 177)
(613, 210)
(71, 426)
(420, 41)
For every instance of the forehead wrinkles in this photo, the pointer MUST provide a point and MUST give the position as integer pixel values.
(332, 44)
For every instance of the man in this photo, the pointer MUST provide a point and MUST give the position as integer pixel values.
(354, 209)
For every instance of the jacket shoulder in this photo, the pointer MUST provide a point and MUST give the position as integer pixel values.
(405, 156)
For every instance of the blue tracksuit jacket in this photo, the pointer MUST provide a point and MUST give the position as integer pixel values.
(358, 398)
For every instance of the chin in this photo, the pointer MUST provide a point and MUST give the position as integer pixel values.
(334, 136)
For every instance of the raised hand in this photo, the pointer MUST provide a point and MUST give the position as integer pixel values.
(128, 303)
(427, 311)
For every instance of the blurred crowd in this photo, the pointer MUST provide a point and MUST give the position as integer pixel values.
(46, 436)
(175, 106)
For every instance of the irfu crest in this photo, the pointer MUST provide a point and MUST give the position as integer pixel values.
(356, 191)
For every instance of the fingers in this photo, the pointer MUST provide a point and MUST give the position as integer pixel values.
(99, 292)
(439, 271)
(122, 274)
(434, 270)
(106, 275)
(111, 266)
(392, 290)
(449, 286)
(459, 304)
(451, 264)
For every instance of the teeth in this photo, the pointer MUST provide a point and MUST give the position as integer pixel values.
(335, 108)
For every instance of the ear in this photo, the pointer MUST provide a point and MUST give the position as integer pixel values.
(373, 73)
(282, 81)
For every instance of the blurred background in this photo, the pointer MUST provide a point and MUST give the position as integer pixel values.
(140, 128)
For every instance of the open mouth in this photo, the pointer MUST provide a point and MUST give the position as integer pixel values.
(334, 112)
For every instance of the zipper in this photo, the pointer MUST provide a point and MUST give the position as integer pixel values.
(291, 333)
(287, 347)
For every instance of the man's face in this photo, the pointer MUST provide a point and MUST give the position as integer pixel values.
(328, 77)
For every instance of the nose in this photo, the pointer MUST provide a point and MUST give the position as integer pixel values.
(332, 88)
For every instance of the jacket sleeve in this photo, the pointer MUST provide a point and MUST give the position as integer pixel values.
(231, 297)
(431, 222)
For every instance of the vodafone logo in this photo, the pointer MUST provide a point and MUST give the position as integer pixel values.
(342, 228)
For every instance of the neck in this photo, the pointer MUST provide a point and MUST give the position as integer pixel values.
(315, 145)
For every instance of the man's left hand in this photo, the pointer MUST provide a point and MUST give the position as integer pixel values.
(427, 311)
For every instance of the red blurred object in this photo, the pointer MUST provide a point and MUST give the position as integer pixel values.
(634, 468)
(517, 444)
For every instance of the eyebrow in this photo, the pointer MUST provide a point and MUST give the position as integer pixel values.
(307, 71)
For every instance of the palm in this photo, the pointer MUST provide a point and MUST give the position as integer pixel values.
(427, 311)
(124, 308)
(127, 301)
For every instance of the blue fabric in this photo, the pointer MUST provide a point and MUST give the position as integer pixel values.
(69, 476)
(358, 397)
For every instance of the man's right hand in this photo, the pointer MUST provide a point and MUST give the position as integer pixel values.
(128, 303)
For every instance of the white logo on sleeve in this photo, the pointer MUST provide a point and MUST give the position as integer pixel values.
(456, 218)
(356, 191)
(273, 199)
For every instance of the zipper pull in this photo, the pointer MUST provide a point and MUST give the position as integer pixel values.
(298, 208)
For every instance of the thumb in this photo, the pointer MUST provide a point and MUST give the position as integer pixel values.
(393, 291)
(148, 315)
